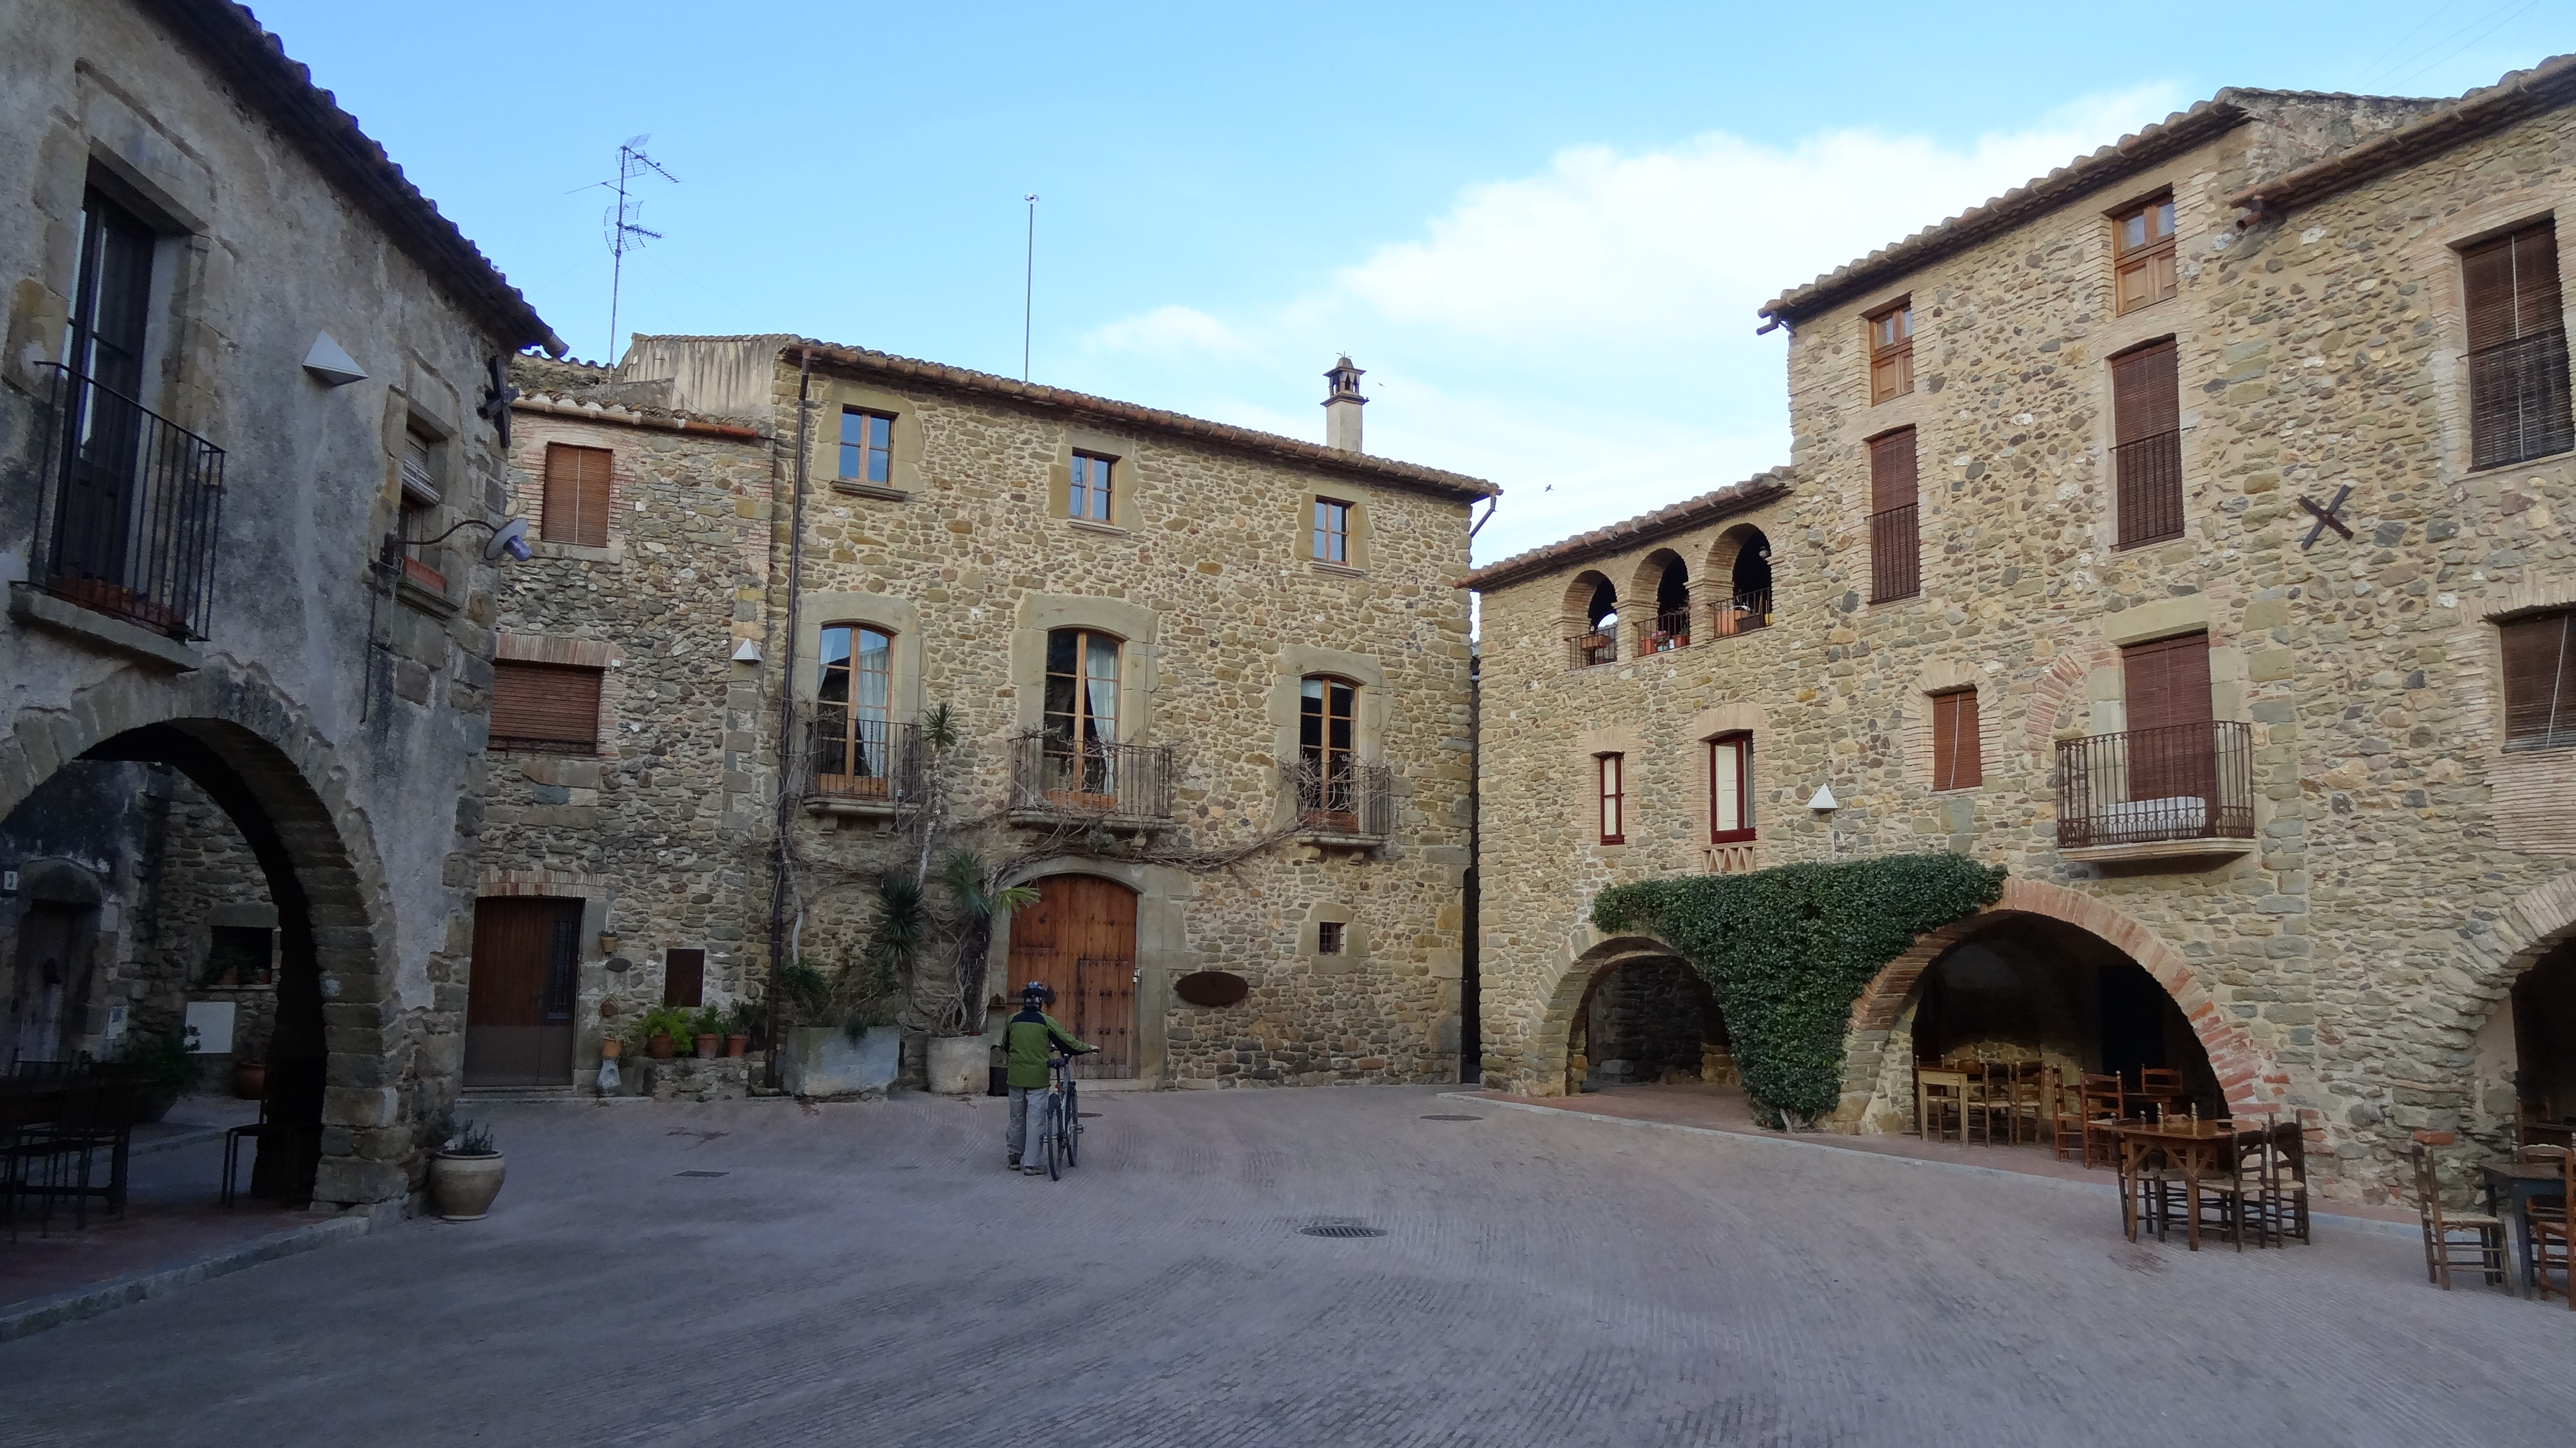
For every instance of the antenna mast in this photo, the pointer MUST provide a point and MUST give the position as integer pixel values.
(624, 234)
(1029, 288)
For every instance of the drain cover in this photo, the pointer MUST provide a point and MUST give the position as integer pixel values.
(1342, 1229)
(1453, 1118)
(700, 1173)
(1088, 1115)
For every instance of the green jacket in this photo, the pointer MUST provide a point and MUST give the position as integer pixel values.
(1029, 1037)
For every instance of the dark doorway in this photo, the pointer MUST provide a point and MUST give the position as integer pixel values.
(1080, 938)
(50, 988)
(2034, 989)
(1646, 1022)
(518, 1007)
(2544, 1037)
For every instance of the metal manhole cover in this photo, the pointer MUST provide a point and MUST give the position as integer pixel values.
(701, 1173)
(1342, 1229)
(1088, 1115)
(1453, 1118)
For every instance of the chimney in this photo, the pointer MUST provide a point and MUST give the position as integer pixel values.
(1342, 404)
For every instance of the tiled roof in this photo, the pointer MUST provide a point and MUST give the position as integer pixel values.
(588, 392)
(2521, 93)
(232, 43)
(1680, 517)
(1311, 454)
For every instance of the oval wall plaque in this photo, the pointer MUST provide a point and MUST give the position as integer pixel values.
(1211, 988)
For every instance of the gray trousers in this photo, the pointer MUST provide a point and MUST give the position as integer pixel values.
(1028, 1122)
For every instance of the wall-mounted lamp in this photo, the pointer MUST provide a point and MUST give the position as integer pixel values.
(1824, 802)
(509, 540)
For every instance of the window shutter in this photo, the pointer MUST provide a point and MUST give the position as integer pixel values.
(2539, 682)
(2167, 682)
(2146, 395)
(1958, 760)
(1891, 472)
(2519, 403)
(576, 495)
(1895, 537)
(2146, 425)
(545, 706)
(684, 978)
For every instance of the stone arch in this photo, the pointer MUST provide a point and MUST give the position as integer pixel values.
(1584, 591)
(1914, 713)
(258, 757)
(1646, 586)
(2059, 688)
(2251, 1080)
(2492, 952)
(1543, 1060)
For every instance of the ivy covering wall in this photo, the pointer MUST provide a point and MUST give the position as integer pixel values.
(1788, 950)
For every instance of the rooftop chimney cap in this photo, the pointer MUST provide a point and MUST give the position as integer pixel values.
(1345, 380)
(1342, 404)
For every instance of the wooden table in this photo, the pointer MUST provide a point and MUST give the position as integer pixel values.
(2517, 1185)
(2197, 1148)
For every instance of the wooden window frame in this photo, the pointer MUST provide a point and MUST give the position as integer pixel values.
(1329, 541)
(849, 729)
(866, 454)
(1740, 744)
(512, 674)
(2147, 492)
(1895, 529)
(2520, 369)
(1081, 492)
(1891, 364)
(2152, 257)
(568, 518)
(1958, 751)
(2527, 635)
(1610, 780)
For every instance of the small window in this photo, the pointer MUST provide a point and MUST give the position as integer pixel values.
(418, 522)
(1332, 541)
(1730, 789)
(2517, 336)
(545, 708)
(1328, 937)
(241, 955)
(1891, 352)
(2142, 255)
(1895, 524)
(684, 978)
(2540, 681)
(1087, 493)
(576, 495)
(867, 446)
(1614, 798)
(1958, 759)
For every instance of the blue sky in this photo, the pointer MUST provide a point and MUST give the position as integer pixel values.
(1542, 230)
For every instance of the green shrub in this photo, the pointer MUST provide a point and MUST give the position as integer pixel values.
(1787, 950)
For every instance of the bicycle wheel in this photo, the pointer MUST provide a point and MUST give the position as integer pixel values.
(1072, 1126)
(1054, 1134)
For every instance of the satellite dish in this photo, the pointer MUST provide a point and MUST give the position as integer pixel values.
(510, 540)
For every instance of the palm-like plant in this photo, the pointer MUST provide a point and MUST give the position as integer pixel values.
(978, 907)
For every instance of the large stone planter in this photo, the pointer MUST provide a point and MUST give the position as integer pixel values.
(960, 1065)
(463, 1186)
(821, 1061)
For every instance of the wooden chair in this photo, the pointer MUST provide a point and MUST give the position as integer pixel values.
(2285, 1192)
(1978, 1104)
(1939, 1096)
(2104, 1105)
(2550, 1240)
(2455, 1239)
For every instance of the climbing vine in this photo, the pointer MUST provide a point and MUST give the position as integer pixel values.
(1788, 950)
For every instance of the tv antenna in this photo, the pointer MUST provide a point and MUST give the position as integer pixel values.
(1029, 291)
(623, 231)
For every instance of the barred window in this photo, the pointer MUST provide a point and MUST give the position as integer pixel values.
(2517, 336)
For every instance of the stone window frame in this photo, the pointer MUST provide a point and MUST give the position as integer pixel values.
(1358, 532)
(1902, 351)
(1138, 631)
(1290, 668)
(1126, 474)
(2115, 258)
(2431, 261)
(2531, 793)
(906, 471)
(1610, 797)
(410, 417)
(1691, 761)
(1914, 723)
(897, 618)
(2194, 368)
(1581, 786)
(1352, 958)
(530, 434)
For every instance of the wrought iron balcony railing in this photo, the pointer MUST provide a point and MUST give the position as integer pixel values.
(852, 757)
(1586, 649)
(1068, 779)
(1664, 632)
(2147, 476)
(126, 521)
(1895, 554)
(1742, 613)
(2145, 786)
(1353, 801)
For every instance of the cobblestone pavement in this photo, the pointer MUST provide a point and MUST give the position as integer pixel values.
(869, 1275)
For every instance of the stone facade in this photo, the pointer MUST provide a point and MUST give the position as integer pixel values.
(2402, 869)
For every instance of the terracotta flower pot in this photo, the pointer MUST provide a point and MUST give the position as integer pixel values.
(737, 1043)
(710, 1046)
(659, 1046)
(250, 1079)
(611, 1048)
(464, 1186)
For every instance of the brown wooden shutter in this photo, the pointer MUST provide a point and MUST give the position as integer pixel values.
(2512, 286)
(2146, 425)
(545, 706)
(2519, 404)
(1895, 536)
(2146, 393)
(2167, 681)
(576, 495)
(684, 978)
(2540, 679)
(1958, 760)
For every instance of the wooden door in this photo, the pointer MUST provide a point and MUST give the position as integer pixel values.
(2172, 750)
(1080, 938)
(518, 1004)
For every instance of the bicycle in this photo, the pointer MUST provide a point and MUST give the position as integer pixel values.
(1062, 1129)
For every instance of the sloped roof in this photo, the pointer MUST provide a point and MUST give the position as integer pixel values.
(254, 63)
(1645, 528)
(2518, 94)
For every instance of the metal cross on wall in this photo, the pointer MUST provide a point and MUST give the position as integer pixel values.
(2326, 518)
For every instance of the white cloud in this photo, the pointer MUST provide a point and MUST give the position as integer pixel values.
(1584, 336)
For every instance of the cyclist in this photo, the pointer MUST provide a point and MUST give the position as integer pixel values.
(1030, 1037)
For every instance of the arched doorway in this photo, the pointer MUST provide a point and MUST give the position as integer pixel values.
(2526, 1054)
(1646, 1020)
(1080, 938)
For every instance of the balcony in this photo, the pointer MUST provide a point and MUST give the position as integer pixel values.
(2185, 791)
(854, 767)
(1741, 614)
(1583, 651)
(1057, 781)
(1352, 806)
(1664, 633)
(126, 517)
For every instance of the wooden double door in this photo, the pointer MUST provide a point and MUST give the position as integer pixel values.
(1080, 938)
(518, 1005)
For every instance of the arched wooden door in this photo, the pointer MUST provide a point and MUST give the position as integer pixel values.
(1080, 938)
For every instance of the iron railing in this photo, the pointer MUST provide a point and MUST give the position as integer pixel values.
(1895, 554)
(2518, 400)
(1352, 800)
(1066, 779)
(2147, 477)
(1743, 613)
(126, 519)
(2179, 782)
(1664, 632)
(856, 758)
(1587, 649)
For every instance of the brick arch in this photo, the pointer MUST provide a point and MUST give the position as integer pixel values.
(1545, 1069)
(2060, 687)
(258, 756)
(2493, 952)
(2252, 1081)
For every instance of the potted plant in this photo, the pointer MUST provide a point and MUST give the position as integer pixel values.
(663, 1025)
(250, 1080)
(466, 1173)
(165, 1070)
(709, 1028)
(610, 1047)
(738, 1026)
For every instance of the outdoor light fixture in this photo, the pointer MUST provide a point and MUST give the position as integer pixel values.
(1824, 802)
(509, 540)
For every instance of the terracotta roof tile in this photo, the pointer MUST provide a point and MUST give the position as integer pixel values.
(2521, 93)
(1644, 528)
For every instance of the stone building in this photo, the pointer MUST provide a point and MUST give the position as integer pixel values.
(1207, 687)
(241, 716)
(2285, 800)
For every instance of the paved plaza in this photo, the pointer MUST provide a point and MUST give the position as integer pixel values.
(868, 1274)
